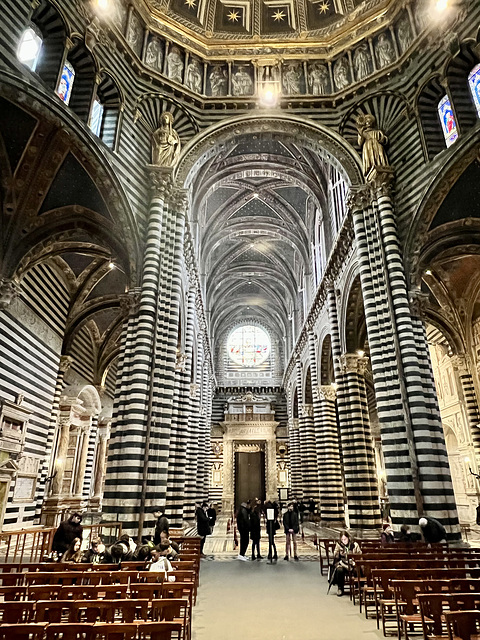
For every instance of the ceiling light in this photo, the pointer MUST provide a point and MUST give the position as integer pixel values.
(103, 5)
(111, 265)
(360, 353)
(249, 282)
(441, 5)
(252, 245)
(428, 272)
(268, 95)
(255, 195)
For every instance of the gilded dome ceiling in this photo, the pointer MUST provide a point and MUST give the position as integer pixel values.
(217, 22)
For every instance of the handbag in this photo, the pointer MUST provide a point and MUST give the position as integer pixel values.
(276, 525)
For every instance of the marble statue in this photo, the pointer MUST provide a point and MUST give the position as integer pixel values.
(340, 74)
(361, 62)
(175, 65)
(318, 79)
(405, 36)
(242, 83)
(134, 33)
(193, 76)
(218, 81)
(384, 51)
(154, 54)
(371, 141)
(292, 79)
(166, 143)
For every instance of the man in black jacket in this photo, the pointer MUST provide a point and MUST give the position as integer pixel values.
(203, 524)
(66, 534)
(433, 531)
(243, 526)
(290, 525)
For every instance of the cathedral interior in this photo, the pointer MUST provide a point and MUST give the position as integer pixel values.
(240, 257)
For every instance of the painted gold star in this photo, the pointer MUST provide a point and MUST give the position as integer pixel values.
(233, 16)
(278, 16)
(324, 7)
(190, 3)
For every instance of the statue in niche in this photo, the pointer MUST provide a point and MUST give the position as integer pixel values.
(175, 65)
(134, 32)
(371, 141)
(384, 50)
(361, 62)
(193, 76)
(242, 83)
(405, 35)
(218, 81)
(292, 79)
(154, 55)
(318, 79)
(340, 74)
(166, 143)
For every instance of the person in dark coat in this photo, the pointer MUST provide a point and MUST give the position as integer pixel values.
(405, 534)
(203, 524)
(291, 528)
(255, 531)
(243, 526)
(162, 524)
(66, 534)
(433, 531)
(96, 553)
(212, 515)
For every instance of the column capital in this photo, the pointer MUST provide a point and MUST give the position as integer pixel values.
(161, 180)
(359, 198)
(418, 303)
(194, 388)
(65, 364)
(130, 302)
(327, 392)
(353, 363)
(9, 290)
(179, 199)
(307, 411)
(381, 180)
(459, 363)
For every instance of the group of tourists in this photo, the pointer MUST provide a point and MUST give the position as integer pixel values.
(249, 519)
(156, 551)
(433, 532)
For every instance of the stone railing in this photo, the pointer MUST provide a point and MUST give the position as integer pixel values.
(249, 417)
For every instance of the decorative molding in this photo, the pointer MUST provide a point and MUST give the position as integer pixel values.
(327, 393)
(418, 303)
(353, 363)
(9, 290)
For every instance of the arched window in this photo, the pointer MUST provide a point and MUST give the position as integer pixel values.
(474, 85)
(65, 84)
(249, 346)
(105, 111)
(30, 47)
(338, 196)
(49, 24)
(78, 74)
(447, 120)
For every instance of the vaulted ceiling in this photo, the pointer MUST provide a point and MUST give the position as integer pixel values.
(254, 207)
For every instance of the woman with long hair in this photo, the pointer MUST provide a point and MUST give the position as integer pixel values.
(74, 552)
(343, 563)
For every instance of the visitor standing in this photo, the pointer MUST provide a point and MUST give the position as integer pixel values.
(271, 514)
(255, 531)
(243, 526)
(291, 527)
(66, 534)
(212, 515)
(203, 524)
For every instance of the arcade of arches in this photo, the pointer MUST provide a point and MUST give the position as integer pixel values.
(273, 291)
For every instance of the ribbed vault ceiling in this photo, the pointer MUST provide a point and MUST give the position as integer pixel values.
(255, 205)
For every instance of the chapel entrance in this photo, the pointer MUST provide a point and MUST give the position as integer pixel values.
(249, 476)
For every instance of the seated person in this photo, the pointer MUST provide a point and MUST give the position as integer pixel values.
(96, 553)
(387, 536)
(74, 552)
(167, 547)
(405, 534)
(343, 563)
(143, 552)
(159, 562)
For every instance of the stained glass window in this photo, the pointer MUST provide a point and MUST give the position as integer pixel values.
(96, 118)
(248, 346)
(29, 48)
(447, 120)
(64, 89)
(474, 84)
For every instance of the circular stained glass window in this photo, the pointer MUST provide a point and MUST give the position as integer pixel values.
(248, 346)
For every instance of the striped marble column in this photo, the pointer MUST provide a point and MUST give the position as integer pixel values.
(138, 459)
(332, 508)
(311, 428)
(294, 458)
(361, 486)
(461, 367)
(47, 466)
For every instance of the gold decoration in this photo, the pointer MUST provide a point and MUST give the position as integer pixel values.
(324, 7)
(190, 3)
(278, 16)
(233, 16)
